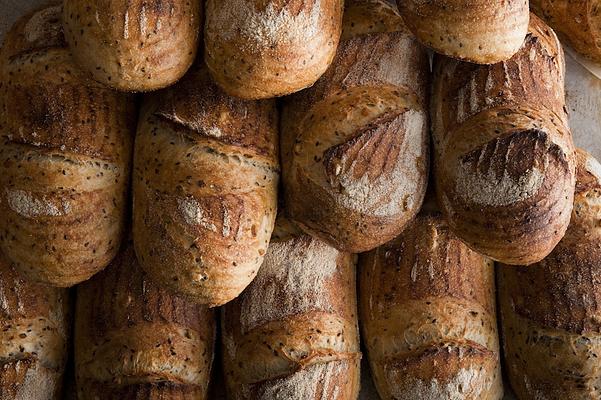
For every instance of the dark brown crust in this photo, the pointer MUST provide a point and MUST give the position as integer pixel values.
(505, 126)
(134, 45)
(122, 301)
(576, 22)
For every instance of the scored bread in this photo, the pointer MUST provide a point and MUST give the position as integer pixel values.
(550, 310)
(355, 145)
(293, 333)
(136, 340)
(205, 182)
(65, 150)
(503, 152)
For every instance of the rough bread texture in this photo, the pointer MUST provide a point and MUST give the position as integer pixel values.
(479, 31)
(355, 145)
(136, 340)
(427, 308)
(34, 330)
(133, 45)
(205, 188)
(550, 310)
(293, 333)
(504, 157)
(266, 48)
(65, 150)
(576, 22)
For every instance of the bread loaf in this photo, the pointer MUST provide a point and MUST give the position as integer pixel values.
(504, 157)
(576, 22)
(136, 340)
(65, 149)
(205, 188)
(550, 311)
(479, 31)
(427, 308)
(133, 45)
(262, 49)
(34, 329)
(355, 145)
(293, 333)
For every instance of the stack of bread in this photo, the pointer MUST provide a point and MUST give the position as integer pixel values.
(255, 196)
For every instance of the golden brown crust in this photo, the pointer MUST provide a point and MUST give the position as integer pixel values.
(550, 310)
(263, 49)
(576, 22)
(427, 306)
(293, 333)
(479, 31)
(65, 150)
(133, 45)
(205, 188)
(355, 144)
(503, 150)
(135, 339)
(34, 328)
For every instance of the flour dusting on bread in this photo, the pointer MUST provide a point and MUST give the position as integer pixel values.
(30, 206)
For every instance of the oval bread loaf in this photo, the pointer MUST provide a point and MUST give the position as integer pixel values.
(137, 45)
(504, 157)
(205, 188)
(34, 332)
(65, 149)
(550, 310)
(479, 31)
(355, 145)
(293, 333)
(427, 308)
(576, 22)
(259, 49)
(136, 340)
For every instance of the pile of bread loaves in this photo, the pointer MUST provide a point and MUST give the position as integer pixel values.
(162, 206)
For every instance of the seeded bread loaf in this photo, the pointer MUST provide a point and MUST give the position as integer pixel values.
(428, 315)
(206, 173)
(136, 340)
(355, 145)
(293, 333)
(504, 157)
(550, 310)
(65, 150)
(133, 45)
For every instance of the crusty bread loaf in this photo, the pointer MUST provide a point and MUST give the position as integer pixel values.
(479, 31)
(137, 45)
(136, 340)
(427, 309)
(293, 333)
(504, 157)
(550, 311)
(34, 328)
(576, 22)
(205, 188)
(355, 145)
(258, 49)
(65, 149)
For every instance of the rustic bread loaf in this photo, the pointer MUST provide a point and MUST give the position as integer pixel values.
(136, 340)
(355, 145)
(34, 330)
(65, 150)
(427, 308)
(259, 49)
(550, 311)
(205, 188)
(576, 22)
(479, 31)
(133, 45)
(504, 157)
(293, 333)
